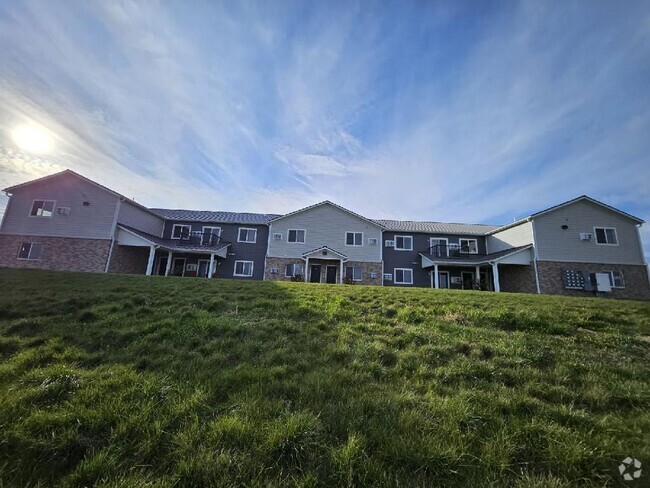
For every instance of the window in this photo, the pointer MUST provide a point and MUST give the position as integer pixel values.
(606, 236)
(247, 235)
(211, 235)
(243, 268)
(292, 270)
(277, 237)
(388, 276)
(354, 238)
(403, 276)
(373, 241)
(353, 273)
(297, 236)
(468, 245)
(439, 246)
(617, 280)
(181, 231)
(403, 243)
(42, 208)
(29, 250)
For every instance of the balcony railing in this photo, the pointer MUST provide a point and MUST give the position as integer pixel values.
(452, 251)
(199, 239)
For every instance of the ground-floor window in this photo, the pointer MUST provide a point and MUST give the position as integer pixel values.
(403, 276)
(353, 273)
(293, 270)
(617, 279)
(243, 268)
(30, 251)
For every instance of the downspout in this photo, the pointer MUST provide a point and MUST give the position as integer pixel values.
(114, 227)
(536, 256)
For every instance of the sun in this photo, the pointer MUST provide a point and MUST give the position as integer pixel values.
(33, 138)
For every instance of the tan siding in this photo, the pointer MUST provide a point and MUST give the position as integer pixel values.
(137, 218)
(519, 235)
(326, 225)
(92, 221)
(557, 244)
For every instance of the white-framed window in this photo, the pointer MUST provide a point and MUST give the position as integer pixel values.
(30, 251)
(243, 268)
(353, 273)
(439, 246)
(247, 235)
(606, 236)
(354, 238)
(277, 236)
(297, 269)
(373, 241)
(181, 231)
(468, 245)
(617, 279)
(208, 232)
(296, 235)
(42, 208)
(403, 276)
(403, 243)
(388, 276)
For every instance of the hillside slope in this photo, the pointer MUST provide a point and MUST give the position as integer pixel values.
(147, 381)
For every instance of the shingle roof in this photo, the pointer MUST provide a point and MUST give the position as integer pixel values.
(436, 227)
(209, 216)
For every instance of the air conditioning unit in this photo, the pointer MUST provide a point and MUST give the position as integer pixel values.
(372, 241)
(390, 243)
(373, 275)
(277, 237)
(191, 267)
(63, 210)
(586, 236)
(388, 276)
(274, 270)
(455, 280)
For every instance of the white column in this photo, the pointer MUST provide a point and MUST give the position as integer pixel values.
(168, 268)
(495, 276)
(307, 272)
(436, 276)
(477, 278)
(152, 254)
(341, 277)
(211, 266)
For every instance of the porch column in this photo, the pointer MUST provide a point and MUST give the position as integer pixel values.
(341, 277)
(211, 266)
(168, 268)
(152, 254)
(477, 278)
(436, 277)
(307, 271)
(495, 276)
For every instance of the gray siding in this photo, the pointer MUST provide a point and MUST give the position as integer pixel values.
(519, 235)
(326, 225)
(94, 221)
(557, 244)
(135, 217)
(238, 251)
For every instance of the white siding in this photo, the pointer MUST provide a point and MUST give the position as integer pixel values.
(137, 218)
(557, 244)
(326, 225)
(520, 235)
(94, 220)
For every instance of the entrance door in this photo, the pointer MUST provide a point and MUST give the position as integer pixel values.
(468, 280)
(178, 267)
(162, 265)
(202, 270)
(443, 279)
(314, 276)
(331, 274)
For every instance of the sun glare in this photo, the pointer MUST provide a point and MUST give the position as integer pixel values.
(33, 138)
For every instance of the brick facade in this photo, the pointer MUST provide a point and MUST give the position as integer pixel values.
(517, 279)
(57, 253)
(636, 279)
(129, 259)
(281, 264)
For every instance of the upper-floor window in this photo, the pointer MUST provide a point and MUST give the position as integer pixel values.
(354, 238)
(403, 243)
(439, 246)
(606, 235)
(181, 231)
(211, 235)
(29, 250)
(468, 245)
(296, 235)
(247, 235)
(42, 208)
(243, 268)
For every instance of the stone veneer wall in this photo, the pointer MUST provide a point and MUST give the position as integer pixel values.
(129, 259)
(636, 279)
(281, 264)
(517, 279)
(58, 253)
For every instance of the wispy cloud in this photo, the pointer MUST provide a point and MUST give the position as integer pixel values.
(445, 111)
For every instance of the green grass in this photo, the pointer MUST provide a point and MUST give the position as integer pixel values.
(135, 381)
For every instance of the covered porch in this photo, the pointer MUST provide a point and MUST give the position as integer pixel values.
(324, 265)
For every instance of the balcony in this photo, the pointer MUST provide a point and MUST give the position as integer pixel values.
(455, 251)
(199, 239)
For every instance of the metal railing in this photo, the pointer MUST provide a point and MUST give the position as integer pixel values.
(199, 239)
(452, 251)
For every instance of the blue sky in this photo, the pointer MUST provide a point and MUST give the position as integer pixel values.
(453, 111)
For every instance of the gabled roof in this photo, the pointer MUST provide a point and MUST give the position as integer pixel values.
(325, 248)
(565, 204)
(436, 227)
(327, 202)
(217, 216)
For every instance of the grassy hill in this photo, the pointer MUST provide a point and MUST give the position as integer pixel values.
(136, 381)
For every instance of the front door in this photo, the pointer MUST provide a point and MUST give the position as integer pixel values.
(162, 265)
(314, 276)
(178, 267)
(331, 274)
(202, 271)
(468, 280)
